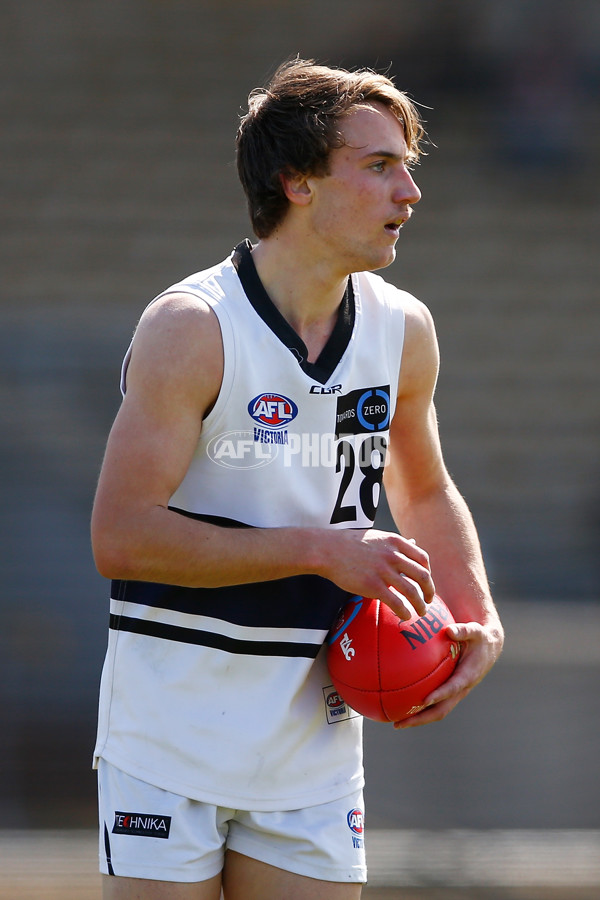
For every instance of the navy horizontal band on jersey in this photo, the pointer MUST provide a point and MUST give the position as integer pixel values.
(211, 639)
(310, 601)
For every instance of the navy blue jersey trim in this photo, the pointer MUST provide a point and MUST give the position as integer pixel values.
(107, 851)
(301, 601)
(210, 639)
(221, 521)
(334, 349)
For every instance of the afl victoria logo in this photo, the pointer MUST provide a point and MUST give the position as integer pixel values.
(356, 820)
(334, 701)
(272, 410)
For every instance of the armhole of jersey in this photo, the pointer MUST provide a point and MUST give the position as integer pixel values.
(369, 287)
(229, 361)
(227, 338)
(358, 299)
(397, 316)
(124, 367)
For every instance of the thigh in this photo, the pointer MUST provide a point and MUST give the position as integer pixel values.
(151, 835)
(143, 889)
(245, 878)
(323, 843)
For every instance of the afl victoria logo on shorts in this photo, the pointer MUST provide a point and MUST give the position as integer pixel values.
(356, 824)
(356, 821)
(272, 410)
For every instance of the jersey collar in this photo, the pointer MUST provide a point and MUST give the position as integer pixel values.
(334, 349)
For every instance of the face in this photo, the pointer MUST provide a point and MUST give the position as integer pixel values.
(358, 209)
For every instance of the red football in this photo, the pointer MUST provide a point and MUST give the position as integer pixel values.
(384, 667)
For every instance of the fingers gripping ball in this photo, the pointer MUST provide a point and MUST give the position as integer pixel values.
(385, 667)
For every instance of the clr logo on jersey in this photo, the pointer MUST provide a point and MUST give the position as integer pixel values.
(320, 389)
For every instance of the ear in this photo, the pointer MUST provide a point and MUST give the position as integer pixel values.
(296, 187)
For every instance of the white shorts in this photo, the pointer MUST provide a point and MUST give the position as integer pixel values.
(146, 832)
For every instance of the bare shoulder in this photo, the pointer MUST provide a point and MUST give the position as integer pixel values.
(419, 320)
(420, 357)
(177, 349)
(179, 321)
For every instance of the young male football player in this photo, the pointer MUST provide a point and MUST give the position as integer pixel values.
(264, 400)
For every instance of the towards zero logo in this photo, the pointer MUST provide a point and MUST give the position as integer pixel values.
(272, 410)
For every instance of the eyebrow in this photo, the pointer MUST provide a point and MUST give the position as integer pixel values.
(387, 154)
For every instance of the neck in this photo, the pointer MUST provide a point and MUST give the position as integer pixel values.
(306, 293)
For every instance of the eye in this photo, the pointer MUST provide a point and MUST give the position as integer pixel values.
(379, 166)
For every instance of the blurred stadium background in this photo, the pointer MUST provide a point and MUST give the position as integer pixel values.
(118, 177)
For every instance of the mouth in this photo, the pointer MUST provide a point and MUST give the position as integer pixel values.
(393, 228)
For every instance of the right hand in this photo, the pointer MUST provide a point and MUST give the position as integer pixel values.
(384, 565)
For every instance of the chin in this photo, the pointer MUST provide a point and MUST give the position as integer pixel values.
(371, 259)
(382, 261)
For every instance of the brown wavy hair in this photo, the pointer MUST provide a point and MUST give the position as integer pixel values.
(292, 126)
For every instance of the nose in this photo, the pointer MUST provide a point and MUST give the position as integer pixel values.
(407, 190)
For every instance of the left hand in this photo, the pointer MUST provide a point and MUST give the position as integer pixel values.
(480, 648)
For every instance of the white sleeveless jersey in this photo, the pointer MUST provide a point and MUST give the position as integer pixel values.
(223, 694)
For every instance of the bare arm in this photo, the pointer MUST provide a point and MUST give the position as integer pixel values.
(173, 379)
(427, 507)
